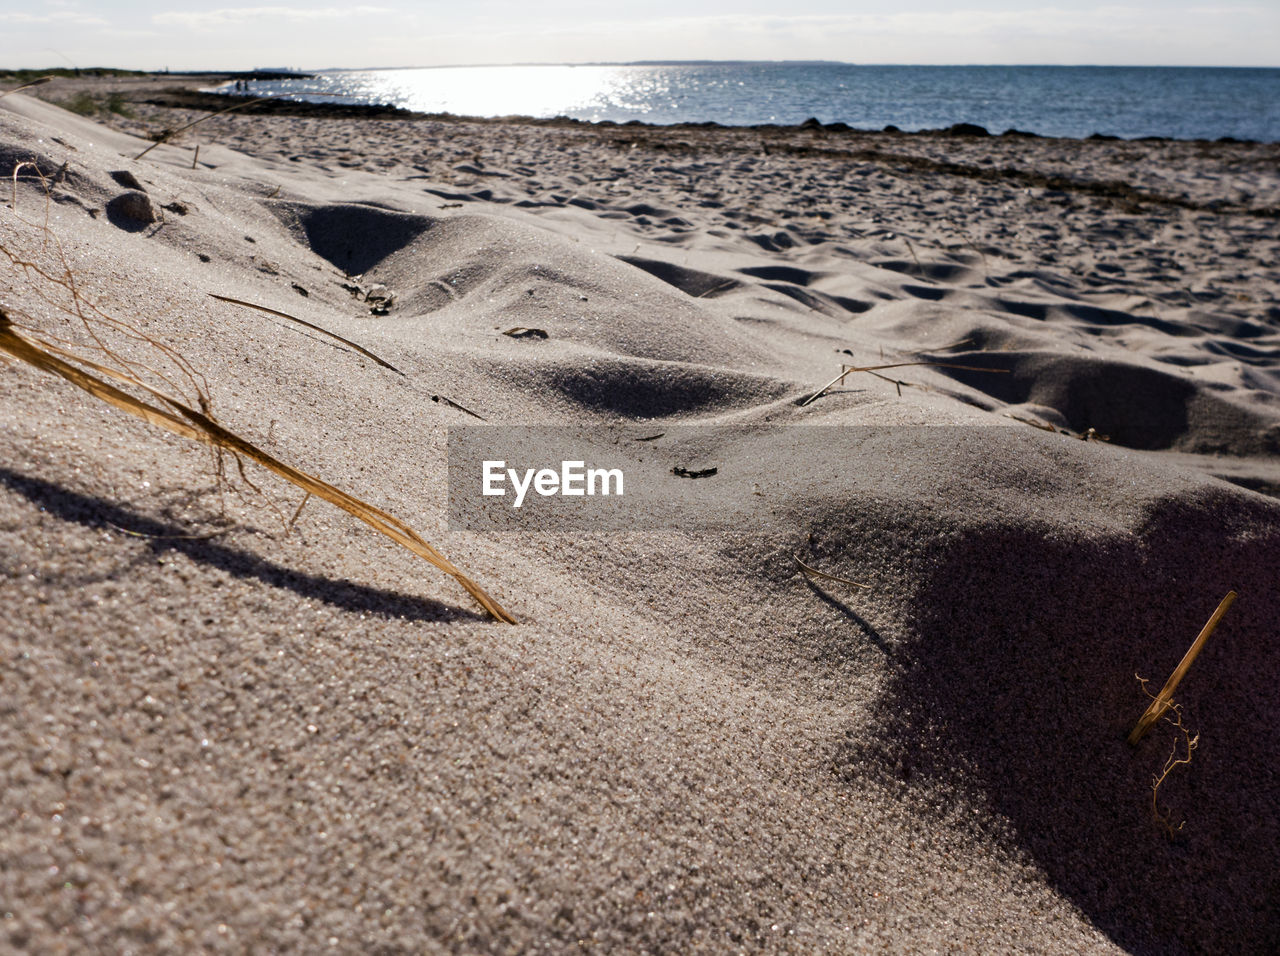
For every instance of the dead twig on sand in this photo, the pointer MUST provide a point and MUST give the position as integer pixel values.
(441, 400)
(912, 250)
(169, 134)
(293, 318)
(726, 284)
(38, 81)
(814, 572)
(1163, 700)
(846, 370)
(183, 420)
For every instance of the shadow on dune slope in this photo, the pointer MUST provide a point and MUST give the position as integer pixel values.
(1021, 690)
(353, 236)
(1134, 405)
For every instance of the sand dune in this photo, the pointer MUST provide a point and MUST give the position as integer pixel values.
(229, 726)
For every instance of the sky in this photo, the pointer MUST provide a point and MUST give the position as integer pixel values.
(184, 35)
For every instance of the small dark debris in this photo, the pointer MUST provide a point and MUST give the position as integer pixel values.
(520, 332)
(132, 210)
(300, 290)
(452, 205)
(250, 239)
(202, 257)
(180, 208)
(965, 129)
(127, 179)
(651, 437)
(686, 473)
(380, 299)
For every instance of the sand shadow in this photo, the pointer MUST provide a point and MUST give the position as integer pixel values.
(1021, 690)
(160, 537)
(355, 237)
(858, 620)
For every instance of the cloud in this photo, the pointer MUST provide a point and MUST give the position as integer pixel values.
(60, 17)
(1048, 21)
(1103, 33)
(238, 16)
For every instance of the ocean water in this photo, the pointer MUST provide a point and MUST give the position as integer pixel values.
(1179, 102)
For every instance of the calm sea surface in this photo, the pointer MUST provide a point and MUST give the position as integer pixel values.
(1182, 102)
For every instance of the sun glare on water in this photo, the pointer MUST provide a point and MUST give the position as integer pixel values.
(507, 90)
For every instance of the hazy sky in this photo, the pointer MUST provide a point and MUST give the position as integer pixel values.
(182, 35)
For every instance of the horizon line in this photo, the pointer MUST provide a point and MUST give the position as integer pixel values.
(657, 62)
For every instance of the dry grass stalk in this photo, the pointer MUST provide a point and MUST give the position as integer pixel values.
(969, 242)
(38, 81)
(293, 318)
(17, 170)
(441, 400)
(1163, 700)
(169, 134)
(189, 423)
(727, 284)
(846, 370)
(912, 250)
(1043, 426)
(62, 292)
(1089, 434)
(829, 577)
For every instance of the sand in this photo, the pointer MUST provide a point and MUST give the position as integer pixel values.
(226, 727)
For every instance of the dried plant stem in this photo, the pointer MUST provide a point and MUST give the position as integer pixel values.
(189, 423)
(1164, 699)
(440, 399)
(829, 577)
(293, 318)
(727, 284)
(846, 370)
(36, 82)
(912, 250)
(170, 134)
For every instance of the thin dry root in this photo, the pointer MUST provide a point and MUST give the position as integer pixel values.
(1189, 743)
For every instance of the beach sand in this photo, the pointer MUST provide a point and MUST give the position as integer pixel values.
(227, 726)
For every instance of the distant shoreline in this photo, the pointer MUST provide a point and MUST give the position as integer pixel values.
(174, 90)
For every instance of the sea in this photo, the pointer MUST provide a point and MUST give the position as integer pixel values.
(1075, 101)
